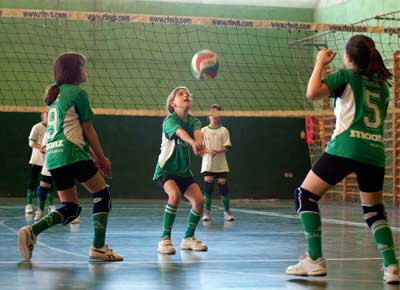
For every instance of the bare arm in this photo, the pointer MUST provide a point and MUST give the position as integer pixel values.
(196, 143)
(101, 160)
(184, 136)
(32, 144)
(316, 88)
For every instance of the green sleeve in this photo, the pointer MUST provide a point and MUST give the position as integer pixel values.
(336, 81)
(196, 124)
(170, 126)
(82, 107)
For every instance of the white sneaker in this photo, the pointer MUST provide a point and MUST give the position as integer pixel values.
(26, 242)
(391, 274)
(207, 216)
(228, 216)
(76, 221)
(308, 267)
(38, 215)
(51, 208)
(104, 254)
(28, 209)
(165, 246)
(192, 244)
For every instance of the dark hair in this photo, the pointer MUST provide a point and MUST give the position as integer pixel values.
(66, 70)
(363, 54)
(216, 106)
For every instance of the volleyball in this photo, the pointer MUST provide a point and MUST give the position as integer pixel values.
(205, 65)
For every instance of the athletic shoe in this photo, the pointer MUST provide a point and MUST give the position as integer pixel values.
(51, 208)
(104, 254)
(192, 244)
(228, 216)
(28, 209)
(207, 216)
(38, 215)
(391, 274)
(76, 221)
(308, 267)
(26, 242)
(165, 246)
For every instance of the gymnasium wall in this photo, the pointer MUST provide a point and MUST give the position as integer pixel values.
(350, 11)
(268, 158)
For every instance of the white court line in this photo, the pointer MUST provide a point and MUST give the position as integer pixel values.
(230, 261)
(43, 244)
(290, 216)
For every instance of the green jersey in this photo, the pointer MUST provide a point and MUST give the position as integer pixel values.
(360, 109)
(174, 158)
(66, 143)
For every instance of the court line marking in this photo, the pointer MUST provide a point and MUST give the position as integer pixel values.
(289, 216)
(188, 261)
(43, 244)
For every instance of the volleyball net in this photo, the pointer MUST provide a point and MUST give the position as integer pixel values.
(135, 60)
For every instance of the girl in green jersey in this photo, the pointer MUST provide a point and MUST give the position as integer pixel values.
(173, 173)
(70, 133)
(361, 96)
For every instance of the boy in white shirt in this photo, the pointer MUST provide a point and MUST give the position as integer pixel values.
(214, 165)
(36, 161)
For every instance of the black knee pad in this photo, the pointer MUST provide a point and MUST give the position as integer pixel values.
(305, 201)
(102, 201)
(69, 211)
(374, 213)
(208, 187)
(223, 188)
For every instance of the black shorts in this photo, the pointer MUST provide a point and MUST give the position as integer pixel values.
(216, 175)
(182, 182)
(332, 169)
(47, 179)
(64, 177)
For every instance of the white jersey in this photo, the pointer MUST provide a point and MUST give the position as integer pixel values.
(215, 138)
(45, 172)
(36, 137)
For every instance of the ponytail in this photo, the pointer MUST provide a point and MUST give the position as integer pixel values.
(377, 66)
(51, 94)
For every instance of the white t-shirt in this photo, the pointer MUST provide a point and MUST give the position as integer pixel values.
(214, 139)
(45, 172)
(36, 136)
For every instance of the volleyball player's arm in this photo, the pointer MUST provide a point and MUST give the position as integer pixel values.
(198, 138)
(181, 133)
(316, 88)
(101, 160)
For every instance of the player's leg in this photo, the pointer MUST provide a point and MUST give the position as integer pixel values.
(42, 193)
(370, 179)
(91, 178)
(30, 190)
(195, 197)
(328, 171)
(171, 188)
(50, 196)
(207, 192)
(224, 191)
(27, 235)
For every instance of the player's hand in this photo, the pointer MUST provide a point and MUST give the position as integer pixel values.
(197, 148)
(105, 167)
(325, 56)
(213, 152)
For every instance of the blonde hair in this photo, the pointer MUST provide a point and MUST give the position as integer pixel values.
(171, 97)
